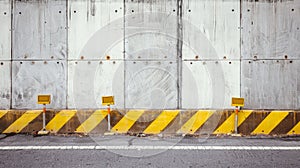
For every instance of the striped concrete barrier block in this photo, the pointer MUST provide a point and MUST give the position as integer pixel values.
(192, 122)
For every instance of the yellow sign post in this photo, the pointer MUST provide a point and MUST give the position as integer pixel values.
(237, 102)
(107, 101)
(44, 99)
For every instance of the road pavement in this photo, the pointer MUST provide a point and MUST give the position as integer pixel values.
(154, 151)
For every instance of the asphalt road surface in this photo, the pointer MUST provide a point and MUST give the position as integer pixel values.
(129, 151)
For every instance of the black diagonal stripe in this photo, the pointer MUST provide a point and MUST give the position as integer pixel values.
(213, 122)
(70, 126)
(178, 122)
(34, 125)
(144, 121)
(286, 124)
(115, 117)
(101, 128)
(252, 121)
(9, 118)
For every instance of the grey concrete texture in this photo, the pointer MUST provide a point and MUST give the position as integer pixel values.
(163, 54)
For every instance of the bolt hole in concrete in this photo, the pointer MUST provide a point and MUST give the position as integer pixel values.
(196, 56)
(248, 10)
(116, 11)
(82, 57)
(174, 10)
(20, 13)
(232, 10)
(75, 11)
(108, 57)
(132, 11)
(4, 13)
(57, 62)
(1, 63)
(291, 61)
(59, 11)
(229, 62)
(293, 10)
(21, 62)
(190, 10)
(286, 57)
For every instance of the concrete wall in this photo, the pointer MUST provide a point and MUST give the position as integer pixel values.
(158, 54)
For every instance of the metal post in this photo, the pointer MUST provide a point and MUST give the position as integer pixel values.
(236, 120)
(108, 118)
(44, 118)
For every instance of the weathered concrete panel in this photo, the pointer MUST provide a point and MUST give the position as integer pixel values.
(218, 21)
(5, 84)
(5, 34)
(99, 21)
(151, 85)
(39, 30)
(31, 78)
(88, 81)
(151, 30)
(271, 84)
(270, 30)
(210, 84)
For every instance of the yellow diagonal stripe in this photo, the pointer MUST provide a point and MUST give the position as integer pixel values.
(295, 129)
(22, 122)
(127, 121)
(161, 122)
(270, 122)
(89, 124)
(228, 125)
(60, 120)
(2, 113)
(195, 122)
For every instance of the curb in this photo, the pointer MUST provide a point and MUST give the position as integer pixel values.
(152, 122)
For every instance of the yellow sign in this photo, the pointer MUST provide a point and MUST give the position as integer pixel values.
(44, 99)
(108, 100)
(237, 102)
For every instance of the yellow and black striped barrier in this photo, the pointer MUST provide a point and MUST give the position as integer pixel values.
(193, 122)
